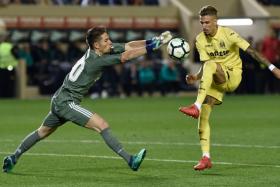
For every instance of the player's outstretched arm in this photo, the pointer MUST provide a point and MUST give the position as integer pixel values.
(257, 56)
(154, 43)
(133, 53)
(135, 44)
(138, 48)
(275, 71)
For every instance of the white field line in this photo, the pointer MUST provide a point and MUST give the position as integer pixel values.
(148, 159)
(156, 143)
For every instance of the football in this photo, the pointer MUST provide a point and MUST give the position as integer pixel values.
(178, 48)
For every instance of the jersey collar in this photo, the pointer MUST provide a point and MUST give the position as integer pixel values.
(217, 33)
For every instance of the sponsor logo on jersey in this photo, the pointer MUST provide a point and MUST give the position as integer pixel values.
(218, 53)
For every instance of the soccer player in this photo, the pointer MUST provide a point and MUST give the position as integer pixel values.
(65, 104)
(218, 49)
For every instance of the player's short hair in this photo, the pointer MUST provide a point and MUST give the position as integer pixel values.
(208, 10)
(94, 35)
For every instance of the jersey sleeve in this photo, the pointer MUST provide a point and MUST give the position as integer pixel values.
(203, 56)
(109, 59)
(118, 48)
(235, 38)
(114, 57)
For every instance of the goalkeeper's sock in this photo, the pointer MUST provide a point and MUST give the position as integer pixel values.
(204, 128)
(114, 144)
(27, 143)
(209, 68)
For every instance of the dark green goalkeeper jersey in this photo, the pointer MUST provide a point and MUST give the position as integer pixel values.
(85, 73)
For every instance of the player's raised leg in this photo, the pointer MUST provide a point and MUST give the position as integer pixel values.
(97, 123)
(210, 72)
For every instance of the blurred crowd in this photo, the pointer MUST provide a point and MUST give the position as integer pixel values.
(143, 76)
(269, 2)
(49, 59)
(256, 77)
(83, 2)
(108, 2)
(48, 63)
(148, 74)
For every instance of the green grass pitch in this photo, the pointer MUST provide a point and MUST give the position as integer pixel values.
(245, 144)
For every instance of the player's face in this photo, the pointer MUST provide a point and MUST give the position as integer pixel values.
(209, 25)
(104, 45)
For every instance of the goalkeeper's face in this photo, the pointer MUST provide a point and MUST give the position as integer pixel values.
(103, 45)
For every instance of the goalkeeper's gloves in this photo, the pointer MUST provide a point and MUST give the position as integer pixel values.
(157, 41)
(165, 37)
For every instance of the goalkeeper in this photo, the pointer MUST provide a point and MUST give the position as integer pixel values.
(65, 104)
(218, 49)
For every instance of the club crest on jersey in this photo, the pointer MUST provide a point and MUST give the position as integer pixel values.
(208, 45)
(222, 44)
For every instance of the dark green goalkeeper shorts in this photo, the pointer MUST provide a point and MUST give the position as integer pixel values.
(59, 114)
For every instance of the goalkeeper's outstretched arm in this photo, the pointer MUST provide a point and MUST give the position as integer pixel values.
(157, 41)
(138, 48)
(135, 44)
(257, 56)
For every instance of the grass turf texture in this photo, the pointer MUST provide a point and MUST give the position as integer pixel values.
(245, 137)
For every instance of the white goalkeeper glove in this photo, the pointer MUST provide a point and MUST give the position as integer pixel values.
(165, 37)
(157, 41)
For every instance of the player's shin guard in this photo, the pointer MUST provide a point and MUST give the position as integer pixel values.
(209, 69)
(204, 128)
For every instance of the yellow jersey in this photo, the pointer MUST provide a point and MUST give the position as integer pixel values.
(222, 48)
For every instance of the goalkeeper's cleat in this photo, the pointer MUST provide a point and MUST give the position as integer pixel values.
(137, 159)
(204, 163)
(9, 163)
(190, 111)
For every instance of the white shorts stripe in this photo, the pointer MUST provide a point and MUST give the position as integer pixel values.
(72, 105)
(84, 112)
(82, 109)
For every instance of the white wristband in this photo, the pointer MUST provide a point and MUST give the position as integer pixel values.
(271, 67)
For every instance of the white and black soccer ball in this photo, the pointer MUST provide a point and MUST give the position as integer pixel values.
(178, 48)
